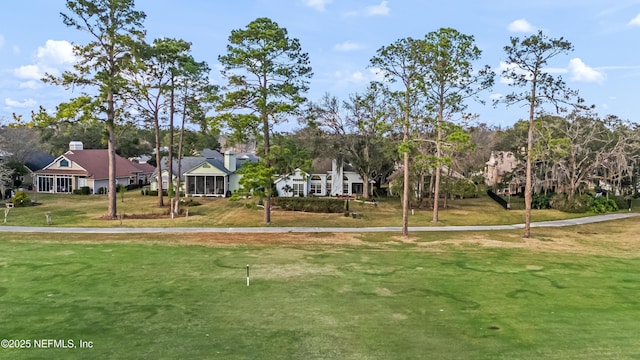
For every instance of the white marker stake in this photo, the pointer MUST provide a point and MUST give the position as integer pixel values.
(247, 274)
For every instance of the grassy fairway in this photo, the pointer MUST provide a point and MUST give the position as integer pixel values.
(437, 296)
(141, 211)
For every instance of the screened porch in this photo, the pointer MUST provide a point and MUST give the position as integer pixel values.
(205, 185)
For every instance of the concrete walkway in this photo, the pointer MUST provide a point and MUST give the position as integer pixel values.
(267, 229)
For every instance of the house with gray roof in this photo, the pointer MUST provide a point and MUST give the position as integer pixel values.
(211, 174)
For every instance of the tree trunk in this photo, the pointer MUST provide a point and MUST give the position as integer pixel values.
(365, 178)
(436, 191)
(180, 142)
(267, 190)
(421, 190)
(170, 186)
(365, 186)
(111, 149)
(405, 196)
(158, 160)
(528, 190)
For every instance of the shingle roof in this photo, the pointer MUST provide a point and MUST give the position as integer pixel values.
(144, 167)
(37, 160)
(187, 163)
(323, 166)
(211, 154)
(96, 163)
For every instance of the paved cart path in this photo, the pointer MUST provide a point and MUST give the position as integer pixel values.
(270, 229)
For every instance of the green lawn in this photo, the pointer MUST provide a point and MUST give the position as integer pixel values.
(136, 297)
(87, 211)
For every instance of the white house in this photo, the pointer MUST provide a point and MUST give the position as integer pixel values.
(329, 177)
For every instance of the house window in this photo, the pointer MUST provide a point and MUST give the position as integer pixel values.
(63, 184)
(315, 185)
(45, 183)
(64, 163)
(329, 185)
(298, 189)
(316, 188)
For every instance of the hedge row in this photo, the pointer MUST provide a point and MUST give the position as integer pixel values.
(84, 190)
(153, 192)
(310, 204)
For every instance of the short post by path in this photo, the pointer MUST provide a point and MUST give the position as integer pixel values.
(8, 208)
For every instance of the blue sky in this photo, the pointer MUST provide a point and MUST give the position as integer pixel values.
(341, 36)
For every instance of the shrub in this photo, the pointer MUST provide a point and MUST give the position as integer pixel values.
(310, 204)
(601, 205)
(20, 198)
(621, 201)
(463, 188)
(134, 186)
(541, 201)
(84, 190)
(576, 204)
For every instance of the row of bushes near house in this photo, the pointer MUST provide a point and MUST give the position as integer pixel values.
(588, 202)
(85, 190)
(310, 204)
(147, 192)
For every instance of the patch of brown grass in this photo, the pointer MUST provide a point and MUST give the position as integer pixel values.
(615, 238)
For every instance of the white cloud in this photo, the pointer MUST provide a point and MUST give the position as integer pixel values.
(380, 9)
(1, 40)
(582, 72)
(31, 84)
(521, 25)
(512, 68)
(347, 78)
(348, 46)
(553, 70)
(34, 72)
(56, 52)
(356, 77)
(28, 72)
(635, 21)
(319, 5)
(49, 59)
(495, 96)
(25, 103)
